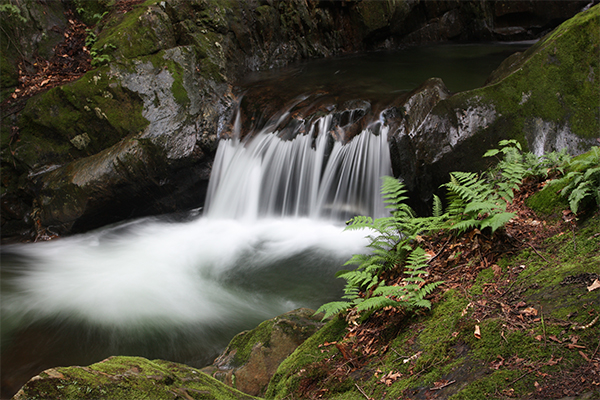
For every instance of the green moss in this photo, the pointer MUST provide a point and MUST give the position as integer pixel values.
(95, 104)
(548, 201)
(243, 343)
(556, 80)
(128, 378)
(286, 380)
(136, 34)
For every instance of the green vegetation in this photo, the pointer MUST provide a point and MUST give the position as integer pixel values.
(583, 187)
(474, 202)
(535, 323)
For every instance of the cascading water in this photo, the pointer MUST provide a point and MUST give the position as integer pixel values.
(309, 176)
(270, 241)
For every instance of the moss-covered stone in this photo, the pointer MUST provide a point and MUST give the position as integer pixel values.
(252, 357)
(127, 378)
(96, 105)
(143, 31)
(289, 374)
(555, 81)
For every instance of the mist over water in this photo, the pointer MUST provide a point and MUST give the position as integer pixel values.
(149, 272)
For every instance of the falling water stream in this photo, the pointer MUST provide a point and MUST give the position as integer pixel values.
(269, 240)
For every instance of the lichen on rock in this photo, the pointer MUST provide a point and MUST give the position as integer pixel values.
(127, 378)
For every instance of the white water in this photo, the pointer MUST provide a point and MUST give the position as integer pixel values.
(311, 175)
(271, 241)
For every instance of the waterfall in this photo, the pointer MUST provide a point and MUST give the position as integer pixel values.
(270, 240)
(311, 175)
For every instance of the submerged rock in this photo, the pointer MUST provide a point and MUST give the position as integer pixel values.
(127, 378)
(252, 357)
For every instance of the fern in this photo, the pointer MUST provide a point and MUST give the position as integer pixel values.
(474, 201)
(390, 247)
(583, 186)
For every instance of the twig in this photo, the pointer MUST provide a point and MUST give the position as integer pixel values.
(443, 386)
(536, 252)
(362, 391)
(509, 288)
(595, 352)
(524, 375)
(439, 252)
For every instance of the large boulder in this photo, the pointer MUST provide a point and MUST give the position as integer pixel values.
(127, 378)
(252, 357)
(547, 98)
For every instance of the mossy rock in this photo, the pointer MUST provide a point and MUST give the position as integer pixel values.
(252, 357)
(555, 82)
(546, 98)
(286, 380)
(145, 30)
(77, 119)
(127, 378)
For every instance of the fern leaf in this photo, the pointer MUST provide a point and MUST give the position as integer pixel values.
(479, 206)
(333, 308)
(359, 222)
(438, 209)
(496, 221)
(577, 195)
(375, 303)
(465, 225)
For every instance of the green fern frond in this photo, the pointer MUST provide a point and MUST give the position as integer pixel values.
(333, 308)
(359, 222)
(375, 303)
(578, 194)
(496, 221)
(438, 209)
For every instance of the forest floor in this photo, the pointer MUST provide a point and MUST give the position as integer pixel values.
(516, 317)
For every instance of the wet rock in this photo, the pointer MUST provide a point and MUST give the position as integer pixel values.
(126, 378)
(540, 97)
(252, 357)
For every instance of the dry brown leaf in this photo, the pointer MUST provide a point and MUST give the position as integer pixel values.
(529, 311)
(555, 339)
(595, 285)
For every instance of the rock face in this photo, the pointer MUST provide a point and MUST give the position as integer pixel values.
(127, 378)
(252, 357)
(136, 135)
(547, 98)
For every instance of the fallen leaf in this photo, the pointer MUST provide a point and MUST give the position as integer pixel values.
(538, 338)
(497, 270)
(584, 356)
(555, 339)
(497, 364)
(464, 312)
(595, 285)
(389, 378)
(477, 332)
(529, 311)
